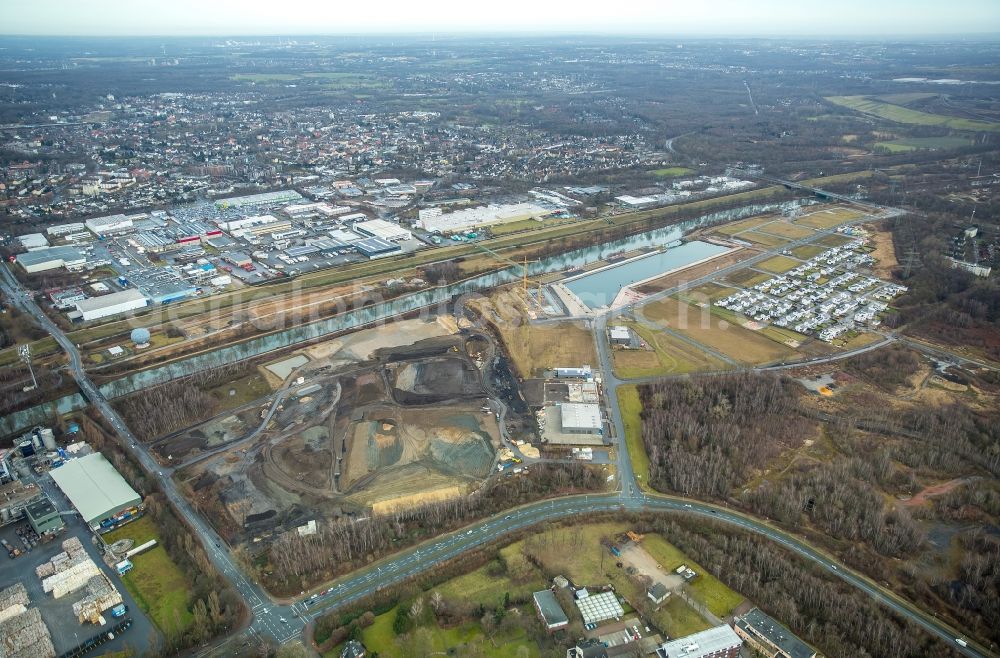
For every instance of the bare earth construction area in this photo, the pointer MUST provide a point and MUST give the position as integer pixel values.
(405, 426)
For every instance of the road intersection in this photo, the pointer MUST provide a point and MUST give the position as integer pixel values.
(280, 622)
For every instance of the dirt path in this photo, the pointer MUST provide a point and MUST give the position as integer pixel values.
(884, 254)
(935, 490)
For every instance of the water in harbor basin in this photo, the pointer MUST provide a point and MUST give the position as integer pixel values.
(601, 287)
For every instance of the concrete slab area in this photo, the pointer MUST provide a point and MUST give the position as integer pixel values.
(57, 614)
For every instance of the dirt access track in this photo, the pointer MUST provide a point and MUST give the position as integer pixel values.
(407, 425)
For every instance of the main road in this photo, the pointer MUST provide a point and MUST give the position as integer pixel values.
(270, 620)
(281, 622)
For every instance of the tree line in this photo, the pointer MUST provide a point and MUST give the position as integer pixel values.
(295, 562)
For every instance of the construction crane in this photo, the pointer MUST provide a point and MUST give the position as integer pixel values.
(524, 269)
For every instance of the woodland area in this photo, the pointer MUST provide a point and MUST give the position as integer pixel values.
(177, 404)
(698, 433)
(873, 454)
(822, 610)
(943, 303)
(296, 562)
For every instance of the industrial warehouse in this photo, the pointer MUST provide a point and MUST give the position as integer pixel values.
(130, 262)
(98, 492)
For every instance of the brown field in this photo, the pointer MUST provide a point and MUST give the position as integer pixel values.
(778, 264)
(787, 230)
(764, 239)
(830, 217)
(884, 254)
(537, 346)
(669, 356)
(736, 342)
(747, 278)
(744, 225)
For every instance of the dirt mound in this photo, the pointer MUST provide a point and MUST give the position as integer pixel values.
(470, 457)
(435, 380)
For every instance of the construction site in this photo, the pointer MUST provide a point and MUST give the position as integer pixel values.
(369, 423)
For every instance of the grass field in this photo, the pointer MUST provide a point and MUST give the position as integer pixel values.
(830, 217)
(246, 390)
(901, 114)
(709, 292)
(467, 639)
(916, 143)
(631, 407)
(736, 342)
(707, 589)
(161, 589)
(778, 264)
(906, 98)
(683, 619)
(764, 239)
(807, 251)
(833, 240)
(670, 356)
(671, 172)
(747, 277)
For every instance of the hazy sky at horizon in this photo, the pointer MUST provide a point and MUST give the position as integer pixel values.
(667, 17)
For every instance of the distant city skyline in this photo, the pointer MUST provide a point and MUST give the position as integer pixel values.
(807, 18)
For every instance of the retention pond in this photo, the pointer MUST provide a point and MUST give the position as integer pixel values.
(600, 287)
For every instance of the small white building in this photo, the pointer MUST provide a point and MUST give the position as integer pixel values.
(620, 335)
(33, 241)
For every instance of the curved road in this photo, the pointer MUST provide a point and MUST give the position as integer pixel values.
(280, 623)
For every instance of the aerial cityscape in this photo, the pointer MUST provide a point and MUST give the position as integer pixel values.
(405, 333)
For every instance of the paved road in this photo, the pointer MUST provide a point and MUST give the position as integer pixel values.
(281, 623)
(273, 621)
